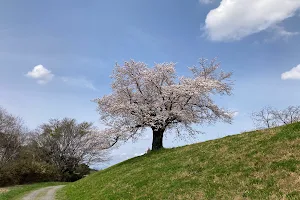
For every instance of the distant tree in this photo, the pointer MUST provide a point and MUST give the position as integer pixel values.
(12, 135)
(269, 117)
(265, 118)
(287, 116)
(67, 144)
(157, 98)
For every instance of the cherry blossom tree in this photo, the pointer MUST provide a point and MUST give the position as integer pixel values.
(157, 98)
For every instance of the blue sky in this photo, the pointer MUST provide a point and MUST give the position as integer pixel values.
(78, 42)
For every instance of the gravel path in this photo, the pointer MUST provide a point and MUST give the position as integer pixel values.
(47, 193)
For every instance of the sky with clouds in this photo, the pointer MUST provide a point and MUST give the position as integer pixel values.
(57, 56)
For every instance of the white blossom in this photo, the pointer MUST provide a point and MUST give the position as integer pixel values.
(157, 98)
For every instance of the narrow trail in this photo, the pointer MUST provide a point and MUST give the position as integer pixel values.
(47, 193)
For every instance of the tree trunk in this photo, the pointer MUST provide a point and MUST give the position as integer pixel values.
(157, 142)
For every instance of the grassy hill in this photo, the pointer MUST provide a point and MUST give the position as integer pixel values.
(255, 165)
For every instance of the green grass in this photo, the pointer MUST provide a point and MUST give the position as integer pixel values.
(16, 192)
(255, 165)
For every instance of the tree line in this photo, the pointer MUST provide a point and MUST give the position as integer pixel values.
(59, 150)
(269, 117)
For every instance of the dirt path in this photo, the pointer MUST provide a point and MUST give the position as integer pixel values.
(47, 193)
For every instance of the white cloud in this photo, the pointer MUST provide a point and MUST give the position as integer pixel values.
(236, 19)
(232, 113)
(206, 1)
(279, 32)
(41, 74)
(139, 154)
(294, 73)
(79, 82)
(236, 113)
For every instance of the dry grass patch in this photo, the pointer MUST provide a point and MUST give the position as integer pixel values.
(3, 190)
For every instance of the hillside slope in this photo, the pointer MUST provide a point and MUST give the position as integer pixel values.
(255, 165)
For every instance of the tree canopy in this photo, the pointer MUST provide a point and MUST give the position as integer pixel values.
(157, 98)
(67, 143)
